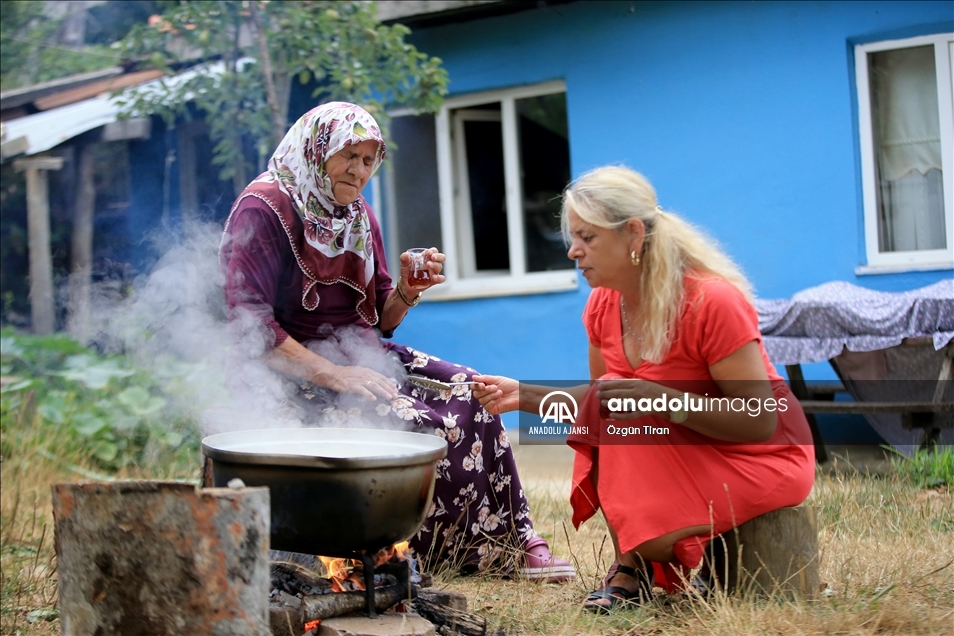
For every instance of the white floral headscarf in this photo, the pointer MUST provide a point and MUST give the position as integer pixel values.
(299, 165)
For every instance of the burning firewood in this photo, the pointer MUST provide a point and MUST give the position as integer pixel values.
(341, 603)
(436, 608)
(296, 580)
(396, 579)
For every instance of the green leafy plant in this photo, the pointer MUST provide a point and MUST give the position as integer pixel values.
(112, 412)
(259, 49)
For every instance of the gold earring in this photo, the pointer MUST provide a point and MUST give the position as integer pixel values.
(634, 258)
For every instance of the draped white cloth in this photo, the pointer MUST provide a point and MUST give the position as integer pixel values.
(904, 90)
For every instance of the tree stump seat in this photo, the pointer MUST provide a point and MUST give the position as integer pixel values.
(775, 553)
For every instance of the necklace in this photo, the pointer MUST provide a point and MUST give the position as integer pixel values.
(629, 328)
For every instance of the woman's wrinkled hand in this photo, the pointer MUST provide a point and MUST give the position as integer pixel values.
(360, 381)
(635, 389)
(434, 262)
(496, 393)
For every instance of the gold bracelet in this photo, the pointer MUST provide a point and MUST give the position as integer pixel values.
(409, 303)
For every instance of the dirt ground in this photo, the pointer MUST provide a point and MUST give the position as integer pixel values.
(547, 466)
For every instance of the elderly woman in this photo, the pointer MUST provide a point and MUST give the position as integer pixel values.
(306, 273)
(669, 314)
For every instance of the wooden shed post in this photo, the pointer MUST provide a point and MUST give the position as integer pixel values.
(185, 156)
(38, 237)
(81, 255)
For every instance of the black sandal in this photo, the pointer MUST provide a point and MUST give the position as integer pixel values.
(618, 595)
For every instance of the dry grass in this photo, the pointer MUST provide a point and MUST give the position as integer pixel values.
(886, 555)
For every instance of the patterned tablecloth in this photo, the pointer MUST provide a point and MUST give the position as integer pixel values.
(817, 323)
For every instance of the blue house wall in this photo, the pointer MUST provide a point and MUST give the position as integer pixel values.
(743, 116)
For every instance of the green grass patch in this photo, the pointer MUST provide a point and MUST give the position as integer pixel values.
(929, 468)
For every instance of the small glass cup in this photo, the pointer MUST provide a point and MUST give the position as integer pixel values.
(419, 276)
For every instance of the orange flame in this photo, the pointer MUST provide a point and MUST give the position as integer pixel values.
(397, 552)
(342, 574)
(338, 570)
(312, 624)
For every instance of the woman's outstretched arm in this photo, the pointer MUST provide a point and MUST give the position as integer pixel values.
(499, 394)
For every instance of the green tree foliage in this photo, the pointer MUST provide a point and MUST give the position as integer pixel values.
(31, 51)
(253, 51)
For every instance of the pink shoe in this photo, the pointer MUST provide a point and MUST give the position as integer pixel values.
(540, 565)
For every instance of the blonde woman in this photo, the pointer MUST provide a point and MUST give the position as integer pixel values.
(689, 429)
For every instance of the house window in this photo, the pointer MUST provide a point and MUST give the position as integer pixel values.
(906, 130)
(482, 180)
(410, 187)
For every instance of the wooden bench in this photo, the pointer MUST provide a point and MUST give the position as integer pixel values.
(913, 414)
(818, 397)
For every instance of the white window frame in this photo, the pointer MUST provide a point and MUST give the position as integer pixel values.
(465, 225)
(462, 279)
(887, 262)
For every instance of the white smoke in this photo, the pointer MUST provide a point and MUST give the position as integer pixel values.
(173, 323)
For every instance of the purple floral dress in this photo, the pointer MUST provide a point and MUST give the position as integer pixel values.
(479, 513)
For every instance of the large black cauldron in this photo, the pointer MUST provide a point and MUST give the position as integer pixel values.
(333, 491)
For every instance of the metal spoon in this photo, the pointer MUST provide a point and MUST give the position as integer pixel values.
(436, 385)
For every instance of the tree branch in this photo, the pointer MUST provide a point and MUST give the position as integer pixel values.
(278, 123)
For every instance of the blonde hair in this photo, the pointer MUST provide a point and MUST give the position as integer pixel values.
(609, 197)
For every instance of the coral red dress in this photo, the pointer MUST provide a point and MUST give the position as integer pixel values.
(652, 485)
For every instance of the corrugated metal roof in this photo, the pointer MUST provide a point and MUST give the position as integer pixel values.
(42, 131)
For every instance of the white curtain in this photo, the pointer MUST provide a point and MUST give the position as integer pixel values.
(914, 212)
(908, 138)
